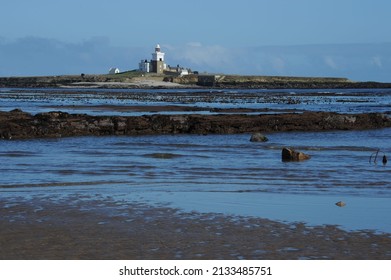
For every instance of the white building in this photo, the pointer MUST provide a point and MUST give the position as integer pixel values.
(144, 66)
(183, 72)
(114, 70)
(177, 71)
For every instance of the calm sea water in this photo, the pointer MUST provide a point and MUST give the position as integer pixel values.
(216, 173)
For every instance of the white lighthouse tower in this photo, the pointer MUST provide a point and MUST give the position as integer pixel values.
(158, 65)
(157, 55)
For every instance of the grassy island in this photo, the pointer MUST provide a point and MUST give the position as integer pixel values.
(137, 79)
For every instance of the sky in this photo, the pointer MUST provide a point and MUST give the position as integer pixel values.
(335, 38)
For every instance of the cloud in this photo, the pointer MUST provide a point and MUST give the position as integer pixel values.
(360, 62)
(377, 61)
(42, 56)
(194, 44)
(330, 61)
(279, 64)
(213, 58)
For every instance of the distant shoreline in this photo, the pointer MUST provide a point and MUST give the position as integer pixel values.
(136, 79)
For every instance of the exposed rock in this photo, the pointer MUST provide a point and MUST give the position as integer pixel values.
(163, 155)
(292, 155)
(20, 125)
(258, 137)
(340, 204)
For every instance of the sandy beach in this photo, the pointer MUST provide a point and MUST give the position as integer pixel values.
(136, 83)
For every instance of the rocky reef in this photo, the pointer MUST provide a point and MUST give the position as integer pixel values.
(17, 124)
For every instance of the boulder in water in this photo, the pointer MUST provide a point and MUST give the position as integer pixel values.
(340, 204)
(292, 155)
(258, 137)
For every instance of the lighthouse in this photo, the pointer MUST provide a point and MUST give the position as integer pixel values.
(158, 65)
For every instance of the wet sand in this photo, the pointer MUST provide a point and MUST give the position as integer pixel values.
(84, 227)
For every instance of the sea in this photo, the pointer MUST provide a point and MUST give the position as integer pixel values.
(225, 174)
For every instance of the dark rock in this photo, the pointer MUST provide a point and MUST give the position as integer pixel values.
(15, 111)
(258, 137)
(340, 204)
(292, 155)
(21, 125)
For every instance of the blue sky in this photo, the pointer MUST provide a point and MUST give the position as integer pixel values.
(343, 38)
